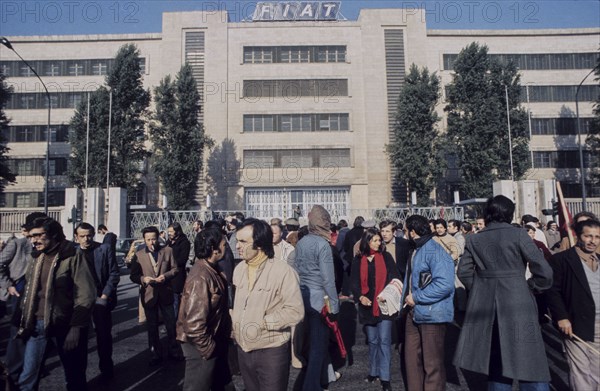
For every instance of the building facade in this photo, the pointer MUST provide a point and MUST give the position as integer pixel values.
(301, 111)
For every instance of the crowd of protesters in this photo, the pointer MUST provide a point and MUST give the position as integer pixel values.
(258, 297)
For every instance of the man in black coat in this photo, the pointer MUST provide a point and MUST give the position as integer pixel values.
(180, 245)
(109, 238)
(574, 301)
(399, 248)
(106, 274)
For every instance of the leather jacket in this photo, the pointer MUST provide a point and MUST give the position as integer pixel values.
(204, 319)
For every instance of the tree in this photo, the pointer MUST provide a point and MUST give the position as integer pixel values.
(477, 121)
(6, 176)
(415, 152)
(593, 138)
(178, 137)
(129, 110)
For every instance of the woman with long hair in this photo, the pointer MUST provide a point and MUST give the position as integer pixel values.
(372, 270)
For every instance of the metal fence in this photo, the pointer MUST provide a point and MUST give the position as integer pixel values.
(575, 205)
(12, 220)
(162, 219)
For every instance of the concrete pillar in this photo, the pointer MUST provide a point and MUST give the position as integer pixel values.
(117, 212)
(527, 200)
(94, 210)
(506, 188)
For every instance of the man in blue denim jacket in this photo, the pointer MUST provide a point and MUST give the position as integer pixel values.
(428, 295)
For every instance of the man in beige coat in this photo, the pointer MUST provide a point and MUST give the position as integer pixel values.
(154, 269)
(267, 304)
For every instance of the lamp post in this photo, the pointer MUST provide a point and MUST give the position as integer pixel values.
(7, 43)
(581, 163)
(512, 173)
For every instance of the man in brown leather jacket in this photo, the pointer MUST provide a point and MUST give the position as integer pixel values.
(204, 324)
(154, 269)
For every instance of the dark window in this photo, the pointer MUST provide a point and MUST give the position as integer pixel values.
(305, 158)
(534, 62)
(294, 54)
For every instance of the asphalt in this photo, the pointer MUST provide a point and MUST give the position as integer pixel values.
(132, 371)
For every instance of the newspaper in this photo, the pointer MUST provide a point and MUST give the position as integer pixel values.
(390, 296)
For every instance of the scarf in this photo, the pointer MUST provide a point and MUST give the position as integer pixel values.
(380, 277)
(319, 222)
(253, 265)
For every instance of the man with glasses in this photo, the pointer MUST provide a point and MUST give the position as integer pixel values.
(57, 304)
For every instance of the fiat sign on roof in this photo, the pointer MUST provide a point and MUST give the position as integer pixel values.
(296, 10)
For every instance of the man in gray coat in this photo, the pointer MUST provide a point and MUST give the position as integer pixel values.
(500, 336)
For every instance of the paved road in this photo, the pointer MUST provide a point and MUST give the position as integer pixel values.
(133, 372)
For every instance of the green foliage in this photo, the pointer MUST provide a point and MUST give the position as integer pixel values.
(477, 121)
(129, 110)
(6, 176)
(223, 171)
(593, 137)
(178, 137)
(415, 153)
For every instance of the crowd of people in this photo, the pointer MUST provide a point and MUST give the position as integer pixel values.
(258, 297)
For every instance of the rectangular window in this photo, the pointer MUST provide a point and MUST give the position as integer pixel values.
(99, 67)
(293, 54)
(76, 68)
(52, 68)
(295, 88)
(543, 159)
(296, 122)
(547, 61)
(304, 158)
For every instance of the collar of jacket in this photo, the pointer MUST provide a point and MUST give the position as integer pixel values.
(422, 240)
(66, 249)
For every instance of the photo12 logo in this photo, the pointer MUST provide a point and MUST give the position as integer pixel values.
(69, 12)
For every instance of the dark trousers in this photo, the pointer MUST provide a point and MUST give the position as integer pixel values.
(205, 375)
(318, 343)
(102, 317)
(168, 317)
(74, 361)
(424, 355)
(265, 369)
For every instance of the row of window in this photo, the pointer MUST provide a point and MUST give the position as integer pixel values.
(293, 54)
(31, 199)
(33, 167)
(33, 100)
(559, 126)
(587, 93)
(560, 159)
(532, 62)
(35, 133)
(97, 67)
(295, 88)
(296, 122)
(297, 158)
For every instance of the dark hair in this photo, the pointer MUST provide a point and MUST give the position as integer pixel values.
(31, 218)
(212, 224)
(468, 227)
(455, 223)
(442, 222)
(177, 228)
(586, 223)
(419, 224)
(385, 223)
(527, 227)
(369, 234)
(207, 241)
(200, 223)
(499, 209)
(342, 223)
(302, 232)
(52, 227)
(358, 221)
(549, 223)
(261, 235)
(84, 226)
(590, 215)
(239, 216)
(102, 227)
(528, 219)
(148, 230)
(333, 227)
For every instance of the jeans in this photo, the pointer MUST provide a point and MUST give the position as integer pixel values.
(102, 318)
(318, 340)
(379, 337)
(33, 357)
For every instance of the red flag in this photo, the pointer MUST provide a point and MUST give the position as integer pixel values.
(565, 220)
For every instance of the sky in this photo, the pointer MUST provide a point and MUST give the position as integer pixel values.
(47, 17)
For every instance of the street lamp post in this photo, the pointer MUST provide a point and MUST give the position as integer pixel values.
(7, 43)
(512, 173)
(581, 163)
